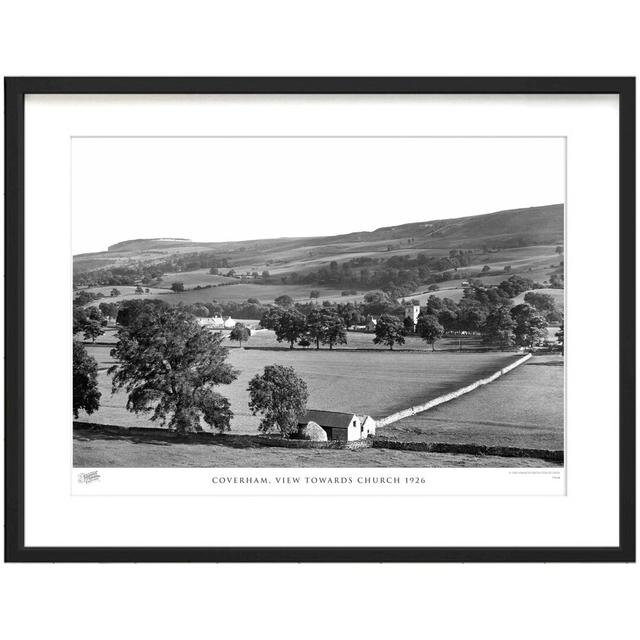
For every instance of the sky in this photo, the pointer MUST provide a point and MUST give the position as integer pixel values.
(219, 189)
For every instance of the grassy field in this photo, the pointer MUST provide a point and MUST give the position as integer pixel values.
(525, 408)
(362, 340)
(231, 293)
(190, 279)
(373, 383)
(95, 451)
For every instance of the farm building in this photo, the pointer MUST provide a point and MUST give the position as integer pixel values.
(216, 322)
(340, 426)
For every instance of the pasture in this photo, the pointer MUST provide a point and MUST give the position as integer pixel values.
(190, 279)
(239, 292)
(524, 408)
(96, 451)
(362, 340)
(363, 382)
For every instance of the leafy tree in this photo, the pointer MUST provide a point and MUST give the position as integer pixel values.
(85, 381)
(131, 309)
(315, 326)
(265, 275)
(314, 293)
(544, 304)
(214, 271)
(429, 329)
(253, 301)
(114, 293)
(408, 325)
(334, 331)
(240, 333)
(177, 287)
(139, 289)
(433, 287)
(284, 301)
(92, 330)
(559, 250)
(169, 366)
(389, 331)
(108, 309)
(80, 319)
(530, 325)
(304, 343)
(486, 268)
(280, 396)
(290, 327)
(271, 318)
(498, 327)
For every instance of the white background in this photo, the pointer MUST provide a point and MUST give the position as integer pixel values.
(329, 38)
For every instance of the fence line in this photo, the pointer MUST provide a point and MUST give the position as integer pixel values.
(411, 411)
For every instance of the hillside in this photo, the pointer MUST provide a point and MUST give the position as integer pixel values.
(502, 229)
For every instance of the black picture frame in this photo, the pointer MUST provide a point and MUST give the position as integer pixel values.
(15, 91)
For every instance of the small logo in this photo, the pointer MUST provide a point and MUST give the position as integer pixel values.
(90, 476)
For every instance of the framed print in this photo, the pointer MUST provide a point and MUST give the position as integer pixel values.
(320, 319)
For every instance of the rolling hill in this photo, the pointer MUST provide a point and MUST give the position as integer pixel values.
(503, 229)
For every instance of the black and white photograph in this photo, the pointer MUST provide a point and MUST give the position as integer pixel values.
(318, 301)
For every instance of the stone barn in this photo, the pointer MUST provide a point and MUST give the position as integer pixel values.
(340, 426)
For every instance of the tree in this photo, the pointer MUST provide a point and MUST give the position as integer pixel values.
(530, 325)
(271, 317)
(559, 250)
(433, 287)
(544, 304)
(334, 331)
(315, 326)
(408, 325)
(139, 289)
(290, 327)
(284, 301)
(108, 309)
(280, 396)
(486, 268)
(169, 365)
(85, 381)
(265, 275)
(389, 331)
(92, 330)
(240, 333)
(114, 293)
(177, 287)
(429, 329)
(214, 271)
(314, 293)
(498, 327)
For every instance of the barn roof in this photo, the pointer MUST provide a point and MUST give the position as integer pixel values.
(328, 418)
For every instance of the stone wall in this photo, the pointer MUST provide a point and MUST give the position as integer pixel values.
(411, 411)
